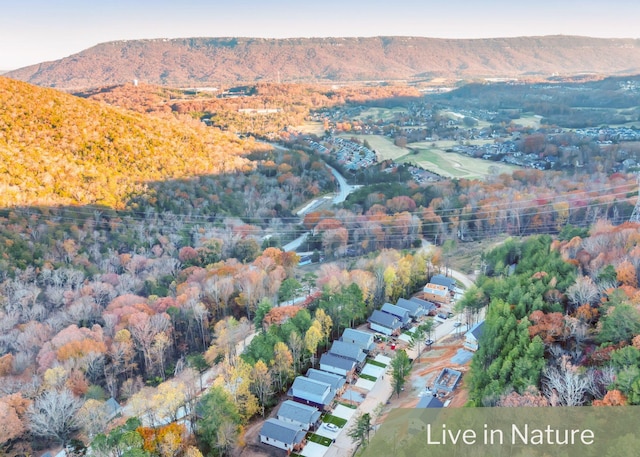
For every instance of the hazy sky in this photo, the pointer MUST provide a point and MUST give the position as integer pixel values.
(33, 31)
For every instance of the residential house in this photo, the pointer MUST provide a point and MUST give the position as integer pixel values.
(348, 351)
(338, 365)
(442, 280)
(447, 380)
(282, 435)
(302, 416)
(362, 339)
(401, 313)
(385, 323)
(436, 293)
(429, 307)
(112, 408)
(472, 336)
(312, 392)
(336, 381)
(416, 310)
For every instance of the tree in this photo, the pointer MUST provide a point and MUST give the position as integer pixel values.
(359, 431)
(121, 441)
(564, 385)
(263, 308)
(54, 415)
(621, 323)
(261, 383)
(282, 364)
(400, 368)
(312, 338)
(296, 345)
(215, 409)
(289, 290)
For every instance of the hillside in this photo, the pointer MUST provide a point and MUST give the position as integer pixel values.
(216, 61)
(59, 149)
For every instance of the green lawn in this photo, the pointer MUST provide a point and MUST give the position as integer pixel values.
(385, 114)
(384, 147)
(368, 377)
(319, 439)
(376, 363)
(339, 421)
(348, 405)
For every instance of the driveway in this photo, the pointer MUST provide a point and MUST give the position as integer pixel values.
(312, 449)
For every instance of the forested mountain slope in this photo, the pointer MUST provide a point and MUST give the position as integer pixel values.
(215, 61)
(59, 149)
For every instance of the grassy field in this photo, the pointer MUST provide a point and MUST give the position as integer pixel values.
(385, 114)
(312, 128)
(453, 165)
(383, 146)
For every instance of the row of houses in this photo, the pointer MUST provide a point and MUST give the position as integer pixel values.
(391, 319)
(315, 393)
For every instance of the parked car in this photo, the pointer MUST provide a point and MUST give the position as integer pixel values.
(429, 342)
(457, 324)
(329, 426)
(442, 316)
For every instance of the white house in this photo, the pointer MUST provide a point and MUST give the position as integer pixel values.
(472, 336)
(312, 392)
(385, 323)
(302, 416)
(362, 339)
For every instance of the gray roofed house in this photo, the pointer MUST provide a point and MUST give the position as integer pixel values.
(348, 351)
(443, 280)
(303, 416)
(359, 338)
(311, 392)
(428, 306)
(401, 313)
(384, 323)
(472, 336)
(112, 408)
(334, 380)
(416, 310)
(429, 401)
(338, 365)
(281, 434)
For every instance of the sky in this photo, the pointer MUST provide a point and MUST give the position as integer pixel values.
(34, 31)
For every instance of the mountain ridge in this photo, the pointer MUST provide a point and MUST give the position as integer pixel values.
(237, 60)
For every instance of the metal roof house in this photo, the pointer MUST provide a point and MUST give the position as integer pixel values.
(312, 392)
(401, 313)
(338, 365)
(384, 323)
(348, 351)
(472, 336)
(362, 339)
(336, 381)
(443, 280)
(282, 435)
(299, 415)
(416, 310)
(427, 305)
(429, 401)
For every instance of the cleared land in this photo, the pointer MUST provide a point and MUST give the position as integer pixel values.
(312, 128)
(383, 146)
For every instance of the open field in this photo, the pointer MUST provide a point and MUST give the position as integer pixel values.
(385, 114)
(312, 128)
(453, 165)
(529, 120)
(383, 146)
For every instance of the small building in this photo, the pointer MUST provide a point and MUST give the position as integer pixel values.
(416, 310)
(472, 337)
(299, 415)
(385, 323)
(338, 365)
(401, 313)
(282, 435)
(447, 380)
(312, 392)
(363, 340)
(336, 381)
(442, 280)
(436, 293)
(348, 351)
(429, 401)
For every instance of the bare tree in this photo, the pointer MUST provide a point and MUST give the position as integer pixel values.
(583, 291)
(296, 345)
(563, 385)
(54, 415)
